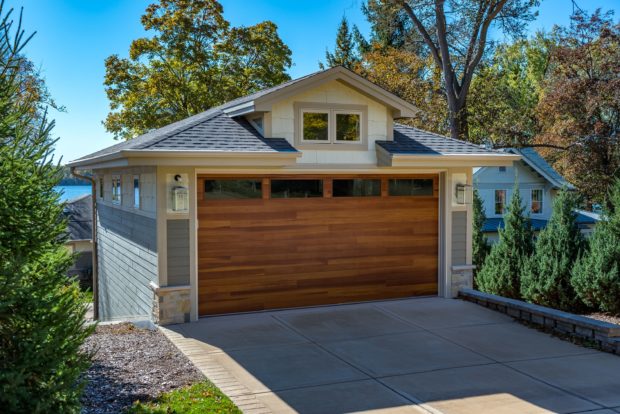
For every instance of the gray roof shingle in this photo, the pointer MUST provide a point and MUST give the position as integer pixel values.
(79, 215)
(533, 158)
(413, 141)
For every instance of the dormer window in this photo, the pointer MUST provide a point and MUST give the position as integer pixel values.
(329, 124)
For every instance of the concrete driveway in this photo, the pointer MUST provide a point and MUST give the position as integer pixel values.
(414, 355)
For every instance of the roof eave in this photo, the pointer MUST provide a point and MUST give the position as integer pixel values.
(456, 160)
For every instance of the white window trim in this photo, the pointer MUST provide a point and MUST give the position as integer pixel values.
(542, 201)
(117, 178)
(335, 113)
(329, 125)
(495, 202)
(133, 187)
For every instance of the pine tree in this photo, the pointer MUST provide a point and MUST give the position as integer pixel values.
(596, 275)
(345, 53)
(501, 272)
(41, 312)
(480, 245)
(546, 277)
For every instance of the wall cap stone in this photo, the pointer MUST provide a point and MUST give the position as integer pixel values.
(608, 329)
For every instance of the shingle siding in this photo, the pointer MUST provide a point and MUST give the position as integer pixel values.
(177, 235)
(127, 262)
(459, 237)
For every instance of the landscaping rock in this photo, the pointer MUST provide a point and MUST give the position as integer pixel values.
(132, 364)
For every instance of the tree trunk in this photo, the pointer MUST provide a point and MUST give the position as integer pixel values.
(459, 126)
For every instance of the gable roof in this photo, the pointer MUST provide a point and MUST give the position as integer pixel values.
(532, 158)
(79, 215)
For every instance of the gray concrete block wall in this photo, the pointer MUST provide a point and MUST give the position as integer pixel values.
(459, 238)
(177, 235)
(127, 249)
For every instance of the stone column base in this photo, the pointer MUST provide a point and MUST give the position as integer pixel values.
(171, 304)
(462, 278)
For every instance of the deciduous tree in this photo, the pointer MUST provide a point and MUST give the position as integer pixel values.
(455, 34)
(193, 61)
(580, 109)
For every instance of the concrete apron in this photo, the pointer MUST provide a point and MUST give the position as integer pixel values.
(406, 356)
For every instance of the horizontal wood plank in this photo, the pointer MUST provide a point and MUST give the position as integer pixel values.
(257, 254)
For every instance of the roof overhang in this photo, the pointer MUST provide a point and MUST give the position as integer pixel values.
(388, 159)
(125, 158)
(400, 108)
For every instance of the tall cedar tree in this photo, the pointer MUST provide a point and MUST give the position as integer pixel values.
(501, 272)
(455, 34)
(480, 244)
(546, 276)
(579, 112)
(345, 53)
(41, 313)
(193, 61)
(596, 275)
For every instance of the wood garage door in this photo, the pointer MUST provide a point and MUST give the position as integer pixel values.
(266, 252)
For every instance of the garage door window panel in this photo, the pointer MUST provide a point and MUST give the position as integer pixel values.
(232, 189)
(410, 187)
(356, 188)
(296, 188)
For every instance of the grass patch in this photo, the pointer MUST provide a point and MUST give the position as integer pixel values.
(199, 398)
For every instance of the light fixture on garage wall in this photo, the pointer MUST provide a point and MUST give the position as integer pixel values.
(464, 193)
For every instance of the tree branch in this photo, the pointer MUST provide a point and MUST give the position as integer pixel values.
(425, 35)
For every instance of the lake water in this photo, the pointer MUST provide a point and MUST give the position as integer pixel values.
(69, 192)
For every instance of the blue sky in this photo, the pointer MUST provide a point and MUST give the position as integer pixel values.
(75, 36)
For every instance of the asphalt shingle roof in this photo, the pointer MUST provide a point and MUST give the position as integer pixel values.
(533, 158)
(410, 140)
(79, 215)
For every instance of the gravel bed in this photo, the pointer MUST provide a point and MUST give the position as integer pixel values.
(605, 317)
(132, 364)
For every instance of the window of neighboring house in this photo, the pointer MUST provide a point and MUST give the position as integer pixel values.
(536, 206)
(348, 127)
(410, 187)
(356, 188)
(116, 189)
(296, 188)
(136, 191)
(502, 169)
(232, 189)
(101, 187)
(315, 126)
(500, 201)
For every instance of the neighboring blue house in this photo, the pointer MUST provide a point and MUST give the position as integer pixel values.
(538, 182)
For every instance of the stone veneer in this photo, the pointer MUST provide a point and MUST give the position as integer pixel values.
(462, 278)
(171, 304)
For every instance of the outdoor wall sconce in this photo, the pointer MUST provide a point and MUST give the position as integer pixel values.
(464, 194)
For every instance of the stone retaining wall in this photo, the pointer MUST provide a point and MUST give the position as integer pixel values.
(604, 334)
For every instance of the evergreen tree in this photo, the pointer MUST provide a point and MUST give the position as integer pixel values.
(41, 313)
(345, 53)
(501, 272)
(546, 277)
(480, 245)
(596, 275)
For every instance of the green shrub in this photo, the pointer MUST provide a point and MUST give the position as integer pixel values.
(546, 276)
(596, 276)
(480, 244)
(41, 313)
(500, 274)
